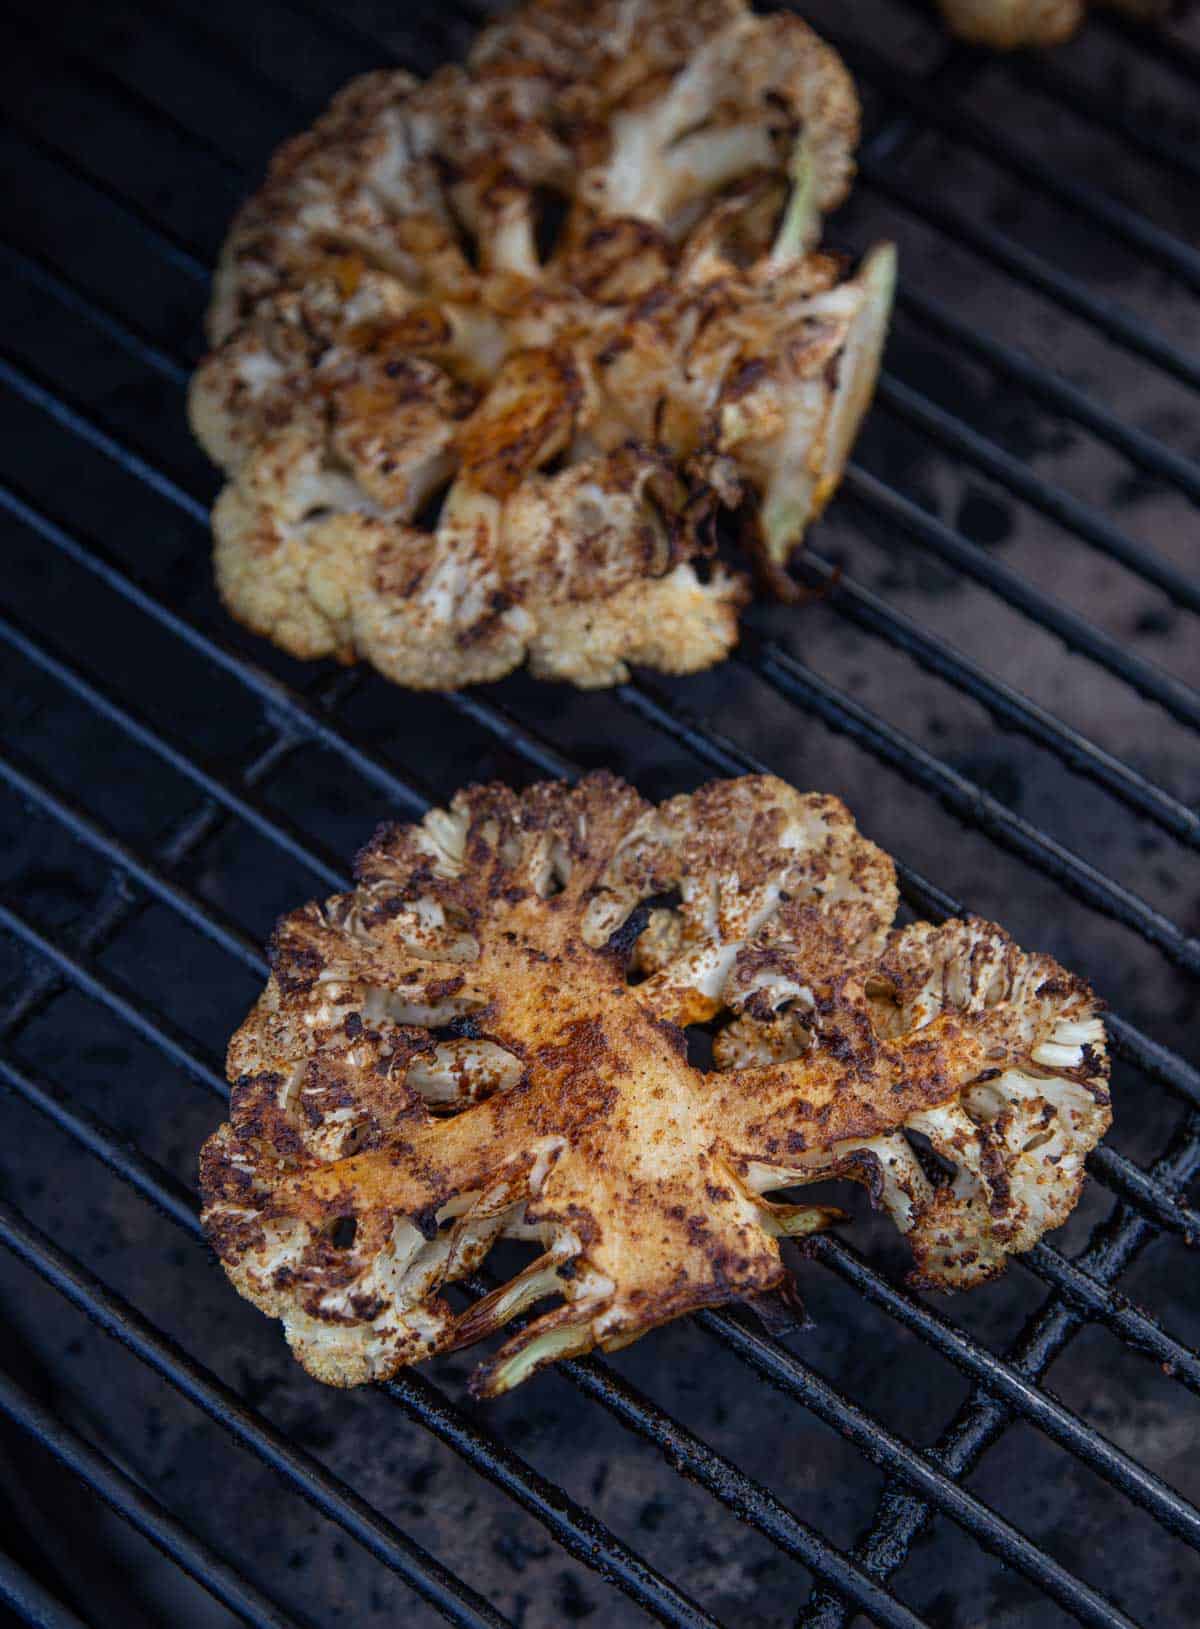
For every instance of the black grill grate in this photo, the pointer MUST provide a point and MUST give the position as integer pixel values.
(277, 71)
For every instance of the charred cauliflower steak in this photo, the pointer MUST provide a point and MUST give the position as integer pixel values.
(451, 444)
(487, 1040)
(1007, 25)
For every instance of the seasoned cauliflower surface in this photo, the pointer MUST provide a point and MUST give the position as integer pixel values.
(1006, 25)
(488, 1039)
(492, 350)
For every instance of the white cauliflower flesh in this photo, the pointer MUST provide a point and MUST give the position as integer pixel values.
(453, 445)
(487, 1039)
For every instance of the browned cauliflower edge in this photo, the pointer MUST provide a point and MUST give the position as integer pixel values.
(452, 446)
(488, 1039)
(1008, 25)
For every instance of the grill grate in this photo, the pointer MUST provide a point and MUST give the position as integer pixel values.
(168, 875)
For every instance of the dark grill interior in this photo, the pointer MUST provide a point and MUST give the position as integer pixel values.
(1000, 679)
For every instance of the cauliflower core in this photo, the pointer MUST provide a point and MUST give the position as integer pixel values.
(487, 1039)
(491, 350)
(1006, 25)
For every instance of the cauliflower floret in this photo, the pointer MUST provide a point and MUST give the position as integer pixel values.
(676, 624)
(1007, 25)
(1015, 1139)
(754, 93)
(486, 1039)
(678, 348)
(286, 555)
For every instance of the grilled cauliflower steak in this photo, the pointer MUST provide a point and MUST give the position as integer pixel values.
(486, 1040)
(450, 449)
(1006, 25)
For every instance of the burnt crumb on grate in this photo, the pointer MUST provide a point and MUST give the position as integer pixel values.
(572, 1602)
(516, 1551)
(984, 518)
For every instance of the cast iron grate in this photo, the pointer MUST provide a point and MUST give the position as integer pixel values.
(146, 70)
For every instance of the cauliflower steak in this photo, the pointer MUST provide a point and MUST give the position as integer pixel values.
(492, 350)
(488, 1040)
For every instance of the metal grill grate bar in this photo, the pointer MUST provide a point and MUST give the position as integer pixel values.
(989, 140)
(1156, 1061)
(1139, 1189)
(104, 80)
(171, 248)
(1089, 1294)
(278, 700)
(38, 272)
(980, 1422)
(965, 798)
(434, 1583)
(1006, 705)
(1174, 53)
(1025, 266)
(276, 828)
(578, 1532)
(118, 909)
(150, 1179)
(140, 1509)
(207, 920)
(1048, 387)
(1056, 87)
(772, 1363)
(373, 49)
(82, 971)
(1059, 505)
(205, 42)
(691, 1457)
(32, 1604)
(1010, 1384)
(1182, 701)
(971, 802)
